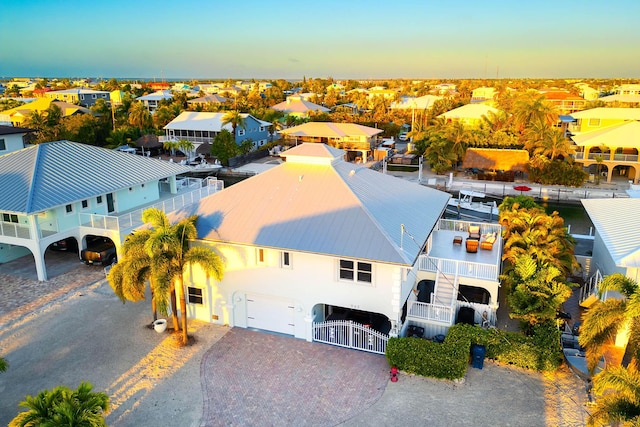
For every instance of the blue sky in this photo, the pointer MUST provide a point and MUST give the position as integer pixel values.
(198, 39)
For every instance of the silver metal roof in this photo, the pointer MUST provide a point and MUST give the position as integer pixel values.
(616, 221)
(325, 207)
(51, 174)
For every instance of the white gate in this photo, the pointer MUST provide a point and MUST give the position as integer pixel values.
(347, 333)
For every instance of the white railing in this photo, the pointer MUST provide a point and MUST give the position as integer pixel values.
(11, 229)
(591, 286)
(432, 312)
(349, 334)
(457, 225)
(461, 268)
(102, 222)
(479, 309)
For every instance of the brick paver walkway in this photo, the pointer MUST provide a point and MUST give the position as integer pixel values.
(254, 378)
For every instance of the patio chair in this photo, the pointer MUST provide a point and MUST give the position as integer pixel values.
(472, 245)
(474, 232)
(487, 243)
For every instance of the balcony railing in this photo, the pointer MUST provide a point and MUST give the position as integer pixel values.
(461, 268)
(11, 229)
(607, 157)
(431, 312)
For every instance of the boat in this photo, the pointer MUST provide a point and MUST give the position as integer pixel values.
(575, 355)
(465, 207)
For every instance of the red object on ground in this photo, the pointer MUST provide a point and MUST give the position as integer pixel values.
(521, 188)
(394, 374)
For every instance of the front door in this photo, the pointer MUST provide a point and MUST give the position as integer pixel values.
(110, 205)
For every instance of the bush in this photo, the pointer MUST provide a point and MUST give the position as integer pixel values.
(449, 360)
(558, 172)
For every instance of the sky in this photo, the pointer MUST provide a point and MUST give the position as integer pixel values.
(343, 39)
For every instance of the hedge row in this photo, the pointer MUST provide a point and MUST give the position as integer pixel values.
(449, 360)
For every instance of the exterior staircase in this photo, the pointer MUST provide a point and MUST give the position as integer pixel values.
(446, 290)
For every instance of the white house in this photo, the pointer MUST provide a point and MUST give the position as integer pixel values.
(152, 100)
(59, 190)
(316, 240)
(12, 138)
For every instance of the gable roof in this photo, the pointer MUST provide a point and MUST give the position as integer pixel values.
(496, 159)
(331, 130)
(44, 103)
(608, 113)
(297, 105)
(194, 120)
(469, 111)
(57, 173)
(13, 130)
(620, 232)
(625, 134)
(317, 203)
(213, 99)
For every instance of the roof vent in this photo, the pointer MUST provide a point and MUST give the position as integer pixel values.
(352, 172)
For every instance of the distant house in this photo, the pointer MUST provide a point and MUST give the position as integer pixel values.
(208, 99)
(201, 127)
(470, 114)
(63, 189)
(625, 95)
(152, 100)
(81, 96)
(324, 250)
(12, 138)
(298, 107)
(565, 102)
(158, 86)
(17, 115)
(608, 141)
(483, 94)
(357, 140)
(412, 103)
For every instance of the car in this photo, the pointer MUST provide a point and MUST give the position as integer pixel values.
(68, 244)
(403, 136)
(99, 250)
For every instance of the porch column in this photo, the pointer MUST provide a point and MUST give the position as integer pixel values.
(38, 256)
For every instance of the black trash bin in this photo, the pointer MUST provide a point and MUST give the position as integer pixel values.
(477, 355)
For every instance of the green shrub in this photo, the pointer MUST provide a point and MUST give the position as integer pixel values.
(558, 172)
(449, 360)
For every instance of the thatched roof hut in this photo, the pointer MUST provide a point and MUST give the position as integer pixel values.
(148, 141)
(496, 159)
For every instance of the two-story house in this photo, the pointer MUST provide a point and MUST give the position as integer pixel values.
(152, 100)
(12, 138)
(81, 96)
(316, 242)
(607, 141)
(202, 127)
(59, 190)
(358, 141)
(469, 114)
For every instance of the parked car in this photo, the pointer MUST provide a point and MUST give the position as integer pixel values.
(68, 244)
(403, 136)
(99, 250)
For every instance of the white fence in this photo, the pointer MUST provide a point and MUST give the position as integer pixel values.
(349, 334)
(432, 312)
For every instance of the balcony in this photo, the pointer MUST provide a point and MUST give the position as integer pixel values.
(606, 157)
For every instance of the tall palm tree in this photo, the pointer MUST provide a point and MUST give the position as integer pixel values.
(139, 116)
(235, 118)
(168, 247)
(62, 406)
(532, 108)
(618, 403)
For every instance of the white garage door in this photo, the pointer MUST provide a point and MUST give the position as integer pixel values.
(271, 314)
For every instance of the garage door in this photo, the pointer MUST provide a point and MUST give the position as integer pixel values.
(271, 314)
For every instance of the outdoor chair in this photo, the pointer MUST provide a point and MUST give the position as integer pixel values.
(474, 232)
(487, 243)
(472, 245)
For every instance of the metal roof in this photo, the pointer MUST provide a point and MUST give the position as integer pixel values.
(12, 130)
(194, 120)
(43, 176)
(323, 206)
(331, 130)
(625, 134)
(608, 113)
(616, 222)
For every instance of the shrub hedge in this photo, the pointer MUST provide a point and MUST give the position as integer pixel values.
(449, 360)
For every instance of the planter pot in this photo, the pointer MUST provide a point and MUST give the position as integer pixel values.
(160, 325)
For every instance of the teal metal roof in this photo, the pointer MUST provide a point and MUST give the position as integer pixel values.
(51, 174)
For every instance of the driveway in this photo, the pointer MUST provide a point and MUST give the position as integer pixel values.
(239, 377)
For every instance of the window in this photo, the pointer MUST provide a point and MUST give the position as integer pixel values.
(357, 271)
(10, 218)
(594, 122)
(85, 204)
(261, 128)
(286, 259)
(240, 132)
(93, 96)
(99, 200)
(68, 208)
(3, 146)
(82, 97)
(195, 295)
(260, 256)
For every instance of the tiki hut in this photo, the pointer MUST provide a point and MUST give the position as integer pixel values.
(496, 159)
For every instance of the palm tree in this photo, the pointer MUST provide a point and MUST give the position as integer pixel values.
(532, 108)
(618, 403)
(606, 318)
(235, 118)
(64, 407)
(3, 365)
(139, 116)
(168, 247)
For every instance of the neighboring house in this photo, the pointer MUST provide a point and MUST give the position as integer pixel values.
(357, 140)
(58, 190)
(384, 93)
(298, 107)
(12, 138)
(152, 101)
(608, 141)
(202, 127)
(82, 96)
(158, 86)
(16, 116)
(470, 114)
(587, 92)
(316, 240)
(420, 103)
(208, 99)
(628, 95)
(564, 102)
(483, 94)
